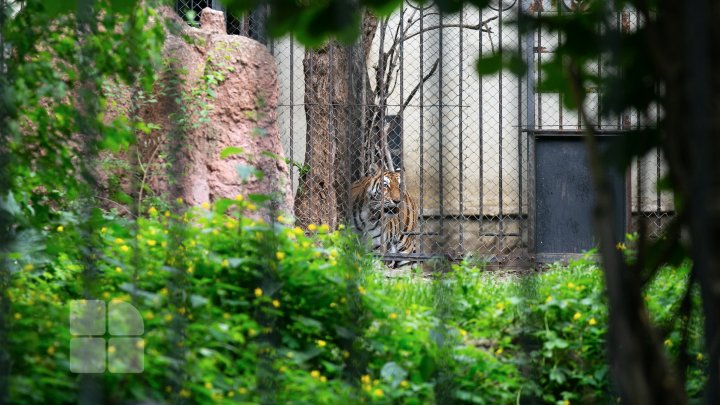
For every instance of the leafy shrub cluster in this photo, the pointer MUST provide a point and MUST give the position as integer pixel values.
(239, 310)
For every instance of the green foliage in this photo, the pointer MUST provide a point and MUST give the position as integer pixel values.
(45, 71)
(268, 310)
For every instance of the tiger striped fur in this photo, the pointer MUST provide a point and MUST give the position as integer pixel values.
(384, 214)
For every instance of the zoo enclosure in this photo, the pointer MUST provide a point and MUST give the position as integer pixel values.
(408, 95)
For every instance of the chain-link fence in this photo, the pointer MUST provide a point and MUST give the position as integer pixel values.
(407, 97)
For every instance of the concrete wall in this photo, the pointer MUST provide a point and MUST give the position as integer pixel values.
(465, 153)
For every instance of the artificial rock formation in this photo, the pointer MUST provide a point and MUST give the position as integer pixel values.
(216, 91)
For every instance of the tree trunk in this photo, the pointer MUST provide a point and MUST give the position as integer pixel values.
(332, 102)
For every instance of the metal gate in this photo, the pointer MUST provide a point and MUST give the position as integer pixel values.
(465, 143)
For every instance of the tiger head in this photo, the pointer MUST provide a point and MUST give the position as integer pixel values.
(385, 193)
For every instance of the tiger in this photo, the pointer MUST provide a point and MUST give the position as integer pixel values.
(384, 215)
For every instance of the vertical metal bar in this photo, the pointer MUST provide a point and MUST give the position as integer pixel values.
(460, 134)
(382, 104)
(657, 180)
(422, 130)
(530, 123)
(539, 52)
(401, 50)
(499, 237)
(292, 115)
(441, 185)
(481, 208)
(521, 221)
(560, 96)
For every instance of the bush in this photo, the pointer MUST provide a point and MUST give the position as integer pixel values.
(238, 310)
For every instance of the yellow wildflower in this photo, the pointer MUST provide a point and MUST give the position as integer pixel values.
(184, 393)
(281, 218)
(28, 267)
(151, 242)
(111, 349)
(571, 285)
(168, 318)
(167, 214)
(548, 299)
(365, 379)
(258, 292)
(500, 305)
(152, 211)
(179, 200)
(404, 384)
(620, 246)
(60, 228)
(321, 343)
(242, 391)
(208, 385)
(324, 228)
(251, 207)
(323, 378)
(577, 316)
(315, 374)
(140, 344)
(18, 316)
(103, 230)
(499, 351)
(393, 316)
(225, 263)
(668, 343)
(118, 270)
(312, 228)
(239, 197)
(341, 227)
(119, 241)
(124, 248)
(361, 289)
(280, 255)
(700, 357)
(378, 392)
(592, 322)
(463, 332)
(149, 316)
(205, 205)
(276, 303)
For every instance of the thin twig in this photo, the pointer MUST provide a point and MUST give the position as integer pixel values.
(424, 79)
(479, 26)
(118, 204)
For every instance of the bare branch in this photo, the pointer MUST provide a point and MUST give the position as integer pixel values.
(480, 26)
(424, 79)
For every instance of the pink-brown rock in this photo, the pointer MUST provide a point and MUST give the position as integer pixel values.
(217, 91)
(212, 21)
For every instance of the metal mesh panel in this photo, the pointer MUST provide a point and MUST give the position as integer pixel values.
(407, 94)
